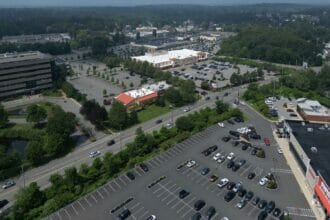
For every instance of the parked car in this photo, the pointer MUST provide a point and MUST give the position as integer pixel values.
(183, 193)
(230, 164)
(231, 156)
(210, 212)
(277, 212)
(255, 200)
(191, 163)
(230, 122)
(254, 151)
(270, 206)
(241, 162)
(223, 182)
(144, 167)
(3, 203)
(262, 204)
(151, 217)
(199, 204)
(124, 214)
(231, 185)
(241, 204)
(238, 119)
(130, 175)
(235, 167)
(226, 139)
(213, 178)
(279, 150)
(221, 159)
(159, 121)
(217, 156)
(234, 133)
(196, 216)
(248, 196)
(205, 171)
(241, 192)
(245, 147)
(8, 184)
(267, 141)
(262, 215)
(263, 181)
(251, 175)
(229, 196)
(237, 187)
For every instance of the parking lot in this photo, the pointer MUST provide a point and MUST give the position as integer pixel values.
(156, 192)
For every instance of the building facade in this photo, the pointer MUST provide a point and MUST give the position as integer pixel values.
(25, 73)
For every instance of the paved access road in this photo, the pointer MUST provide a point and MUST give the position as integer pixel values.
(162, 198)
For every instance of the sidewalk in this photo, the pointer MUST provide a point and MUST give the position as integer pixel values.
(300, 177)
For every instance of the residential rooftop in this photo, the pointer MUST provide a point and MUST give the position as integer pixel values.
(314, 138)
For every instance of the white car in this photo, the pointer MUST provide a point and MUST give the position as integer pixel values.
(152, 217)
(263, 181)
(221, 124)
(94, 154)
(279, 150)
(221, 159)
(217, 156)
(237, 187)
(191, 163)
(186, 109)
(223, 182)
(231, 156)
(224, 218)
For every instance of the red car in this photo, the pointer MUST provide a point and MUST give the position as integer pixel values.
(267, 141)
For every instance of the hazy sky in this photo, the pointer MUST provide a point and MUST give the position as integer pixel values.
(32, 3)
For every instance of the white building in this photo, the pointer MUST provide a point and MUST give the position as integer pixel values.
(172, 58)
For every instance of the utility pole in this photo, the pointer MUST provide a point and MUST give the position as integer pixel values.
(23, 175)
(121, 145)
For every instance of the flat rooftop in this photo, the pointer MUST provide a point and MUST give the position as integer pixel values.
(318, 136)
(16, 57)
(312, 107)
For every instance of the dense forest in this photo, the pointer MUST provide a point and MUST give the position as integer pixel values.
(289, 45)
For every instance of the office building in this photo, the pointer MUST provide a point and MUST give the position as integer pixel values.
(25, 73)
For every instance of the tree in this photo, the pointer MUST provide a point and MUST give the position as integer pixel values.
(100, 45)
(205, 85)
(94, 113)
(221, 107)
(173, 96)
(131, 85)
(36, 114)
(118, 117)
(261, 153)
(3, 117)
(28, 198)
(184, 123)
(34, 152)
(61, 123)
(133, 118)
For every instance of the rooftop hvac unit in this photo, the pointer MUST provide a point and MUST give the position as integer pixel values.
(310, 129)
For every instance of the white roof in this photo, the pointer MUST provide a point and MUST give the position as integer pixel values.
(162, 85)
(312, 107)
(136, 93)
(165, 57)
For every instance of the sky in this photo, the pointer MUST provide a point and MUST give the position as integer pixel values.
(36, 3)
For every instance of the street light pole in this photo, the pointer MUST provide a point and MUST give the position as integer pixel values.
(23, 175)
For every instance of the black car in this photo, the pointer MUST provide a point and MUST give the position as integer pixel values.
(253, 151)
(276, 212)
(238, 119)
(3, 203)
(234, 133)
(124, 214)
(230, 164)
(241, 192)
(183, 193)
(213, 148)
(241, 162)
(262, 215)
(196, 216)
(229, 196)
(230, 122)
(270, 206)
(159, 121)
(255, 136)
(251, 175)
(262, 204)
(130, 175)
(111, 142)
(206, 152)
(255, 200)
(144, 167)
(226, 139)
(199, 204)
(207, 98)
(245, 146)
(248, 196)
(235, 143)
(226, 94)
(204, 93)
(235, 167)
(210, 212)
(230, 185)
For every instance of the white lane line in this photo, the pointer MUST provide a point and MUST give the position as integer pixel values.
(246, 170)
(169, 202)
(58, 214)
(170, 155)
(93, 198)
(105, 190)
(138, 170)
(67, 213)
(135, 205)
(113, 189)
(121, 180)
(176, 151)
(144, 214)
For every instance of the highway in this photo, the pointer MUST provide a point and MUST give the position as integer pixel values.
(80, 154)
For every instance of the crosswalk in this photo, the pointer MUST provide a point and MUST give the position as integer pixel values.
(300, 212)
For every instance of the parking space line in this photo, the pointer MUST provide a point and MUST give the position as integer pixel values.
(100, 194)
(74, 209)
(58, 214)
(169, 202)
(176, 151)
(180, 209)
(191, 200)
(90, 205)
(93, 197)
(113, 189)
(81, 205)
(246, 170)
(137, 170)
(139, 210)
(67, 213)
(153, 163)
(105, 190)
(114, 181)
(159, 160)
(165, 156)
(170, 154)
(121, 180)
(135, 205)
(144, 214)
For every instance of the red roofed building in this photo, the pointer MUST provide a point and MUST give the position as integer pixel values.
(138, 97)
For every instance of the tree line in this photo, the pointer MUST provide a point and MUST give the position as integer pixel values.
(54, 48)
(75, 182)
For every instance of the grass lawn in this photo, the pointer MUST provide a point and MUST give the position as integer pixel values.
(152, 111)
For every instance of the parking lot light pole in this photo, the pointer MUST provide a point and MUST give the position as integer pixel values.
(23, 175)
